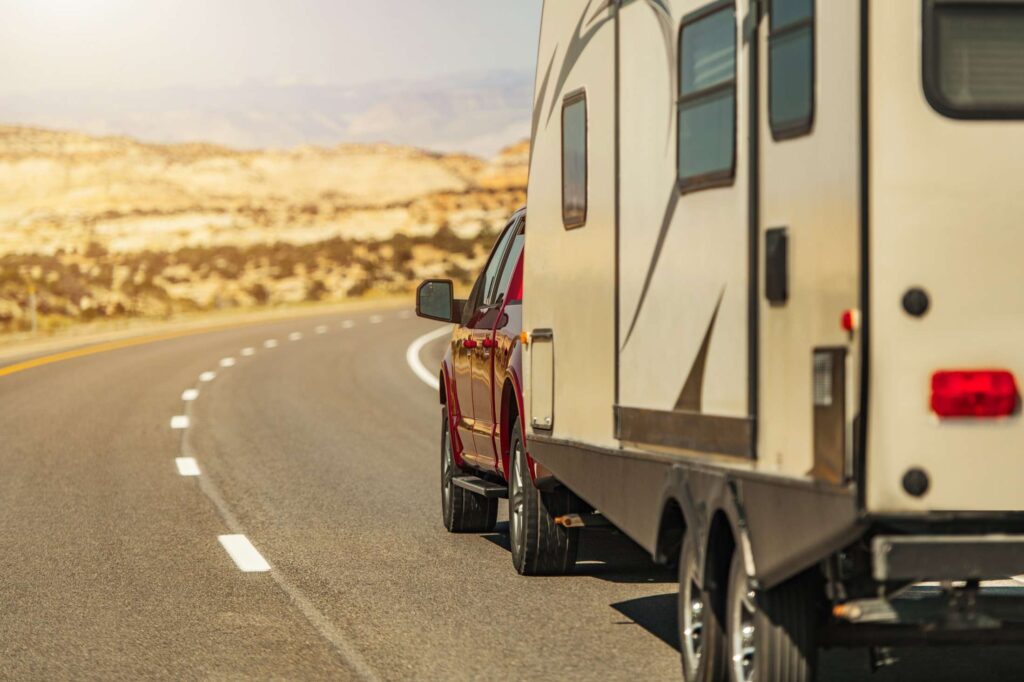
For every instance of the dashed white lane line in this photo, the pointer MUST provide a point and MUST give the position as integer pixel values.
(270, 343)
(248, 352)
(295, 336)
(348, 324)
(412, 357)
(405, 315)
(187, 466)
(227, 362)
(322, 329)
(376, 319)
(190, 395)
(180, 421)
(245, 556)
(207, 377)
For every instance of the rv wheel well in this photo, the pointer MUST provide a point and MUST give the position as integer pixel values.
(721, 545)
(671, 531)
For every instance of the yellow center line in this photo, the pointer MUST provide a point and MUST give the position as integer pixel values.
(115, 345)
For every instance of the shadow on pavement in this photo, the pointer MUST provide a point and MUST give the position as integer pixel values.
(606, 555)
(927, 664)
(656, 614)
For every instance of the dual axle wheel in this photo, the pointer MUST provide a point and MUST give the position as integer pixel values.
(730, 632)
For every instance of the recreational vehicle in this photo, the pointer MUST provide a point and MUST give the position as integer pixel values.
(774, 311)
(772, 321)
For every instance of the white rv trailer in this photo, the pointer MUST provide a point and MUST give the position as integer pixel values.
(774, 299)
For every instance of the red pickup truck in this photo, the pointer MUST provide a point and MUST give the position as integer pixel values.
(483, 457)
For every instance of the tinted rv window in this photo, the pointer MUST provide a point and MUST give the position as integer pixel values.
(974, 58)
(791, 68)
(574, 160)
(707, 97)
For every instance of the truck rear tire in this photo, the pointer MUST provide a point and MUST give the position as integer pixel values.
(461, 510)
(539, 545)
(701, 623)
(772, 635)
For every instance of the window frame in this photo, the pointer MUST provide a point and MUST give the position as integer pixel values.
(800, 127)
(721, 178)
(575, 97)
(507, 266)
(478, 296)
(930, 68)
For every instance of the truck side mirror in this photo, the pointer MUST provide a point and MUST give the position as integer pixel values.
(435, 301)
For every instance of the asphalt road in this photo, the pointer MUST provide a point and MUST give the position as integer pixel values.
(322, 452)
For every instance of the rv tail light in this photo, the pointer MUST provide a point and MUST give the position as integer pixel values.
(980, 393)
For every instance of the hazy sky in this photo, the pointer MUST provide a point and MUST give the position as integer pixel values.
(132, 44)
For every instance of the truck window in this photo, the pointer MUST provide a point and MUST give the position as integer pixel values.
(574, 160)
(791, 68)
(974, 58)
(490, 274)
(511, 260)
(707, 97)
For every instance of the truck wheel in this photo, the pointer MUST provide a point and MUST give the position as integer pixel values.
(461, 510)
(701, 625)
(539, 545)
(771, 634)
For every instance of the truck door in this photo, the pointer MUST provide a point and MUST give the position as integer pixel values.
(487, 370)
(475, 356)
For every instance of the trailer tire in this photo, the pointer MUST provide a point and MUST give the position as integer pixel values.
(461, 510)
(783, 644)
(539, 545)
(701, 624)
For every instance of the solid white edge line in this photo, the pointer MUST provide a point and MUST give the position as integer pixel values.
(187, 466)
(190, 394)
(242, 552)
(180, 421)
(412, 357)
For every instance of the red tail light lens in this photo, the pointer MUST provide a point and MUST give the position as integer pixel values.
(981, 393)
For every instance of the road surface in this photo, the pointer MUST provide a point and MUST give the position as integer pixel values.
(310, 544)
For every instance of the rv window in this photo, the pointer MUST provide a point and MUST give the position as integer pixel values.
(791, 68)
(974, 58)
(707, 98)
(574, 160)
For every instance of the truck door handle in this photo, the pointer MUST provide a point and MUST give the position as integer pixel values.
(489, 343)
(469, 343)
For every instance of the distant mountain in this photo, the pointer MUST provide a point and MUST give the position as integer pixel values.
(477, 114)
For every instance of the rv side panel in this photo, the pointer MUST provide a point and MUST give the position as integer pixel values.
(570, 260)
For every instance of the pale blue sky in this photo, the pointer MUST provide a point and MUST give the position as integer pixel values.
(133, 44)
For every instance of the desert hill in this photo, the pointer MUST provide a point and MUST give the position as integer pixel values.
(106, 226)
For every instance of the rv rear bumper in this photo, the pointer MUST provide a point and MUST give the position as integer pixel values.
(946, 557)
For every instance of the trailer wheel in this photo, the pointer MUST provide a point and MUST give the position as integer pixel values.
(539, 545)
(461, 510)
(771, 634)
(701, 626)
